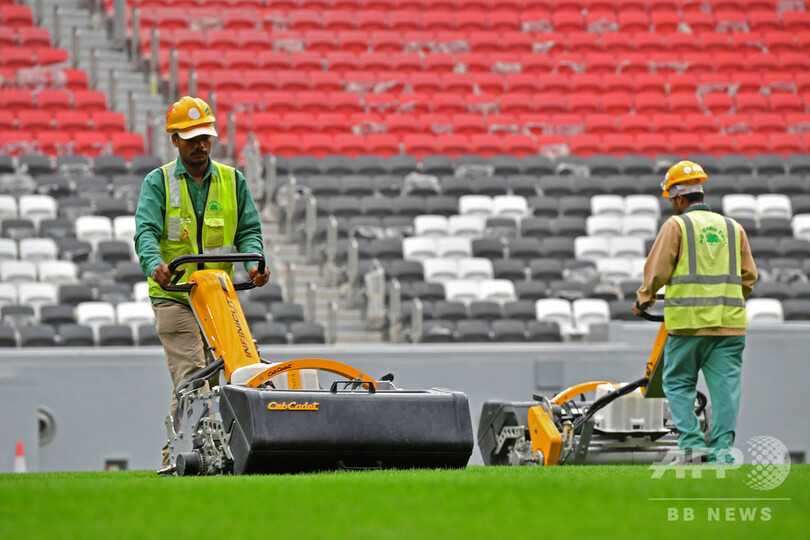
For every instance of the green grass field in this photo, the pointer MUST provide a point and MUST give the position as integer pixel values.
(478, 502)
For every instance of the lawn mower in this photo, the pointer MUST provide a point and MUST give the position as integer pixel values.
(266, 417)
(621, 423)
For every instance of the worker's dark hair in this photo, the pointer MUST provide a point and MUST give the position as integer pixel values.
(693, 197)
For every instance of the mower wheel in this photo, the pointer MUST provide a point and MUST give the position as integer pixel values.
(189, 464)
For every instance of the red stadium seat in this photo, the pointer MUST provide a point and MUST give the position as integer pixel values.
(371, 20)
(618, 42)
(435, 123)
(619, 144)
(717, 102)
(750, 102)
(419, 145)
(729, 62)
(15, 100)
(382, 144)
(400, 124)
(796, 21)
(550, 103)
(54, 143)
(652, 144)
(786, 103)
(89, 100)
(282, 144)
(786, 143)
(584, 103)
(753, 143)
(473, 62)
(325, 81)
(698, 62)
(274, 60)
(461, 83)
(555, 83)
(414, 103)
(17, 57)
(586, 144)
(616, 103)
(406, 62)
(14, 16)
(516, 103)
(488, 145)
(300, 122)
(448, 103)
(69, 122)
(266, 122)
(440, 63)
(468, 124)
(793, 61)
(733, 123)
(684, 144)
(349, 144)
(53, 100)
(770, 123)
(374, 61)
(718, 144)
(650, 43)
(255, 40)
(435, 21)
(700, 123)
(91, 143)
(127, 145)
(338, 19)
(619, 82)
(665, 21)
(34, 121)
(684, 103)
(109, 122)
(341, 61)
(453, 144)
(681, 82)
(667, 123)
(279, 101)
(601, 124)
(634, 123)
(353, 41)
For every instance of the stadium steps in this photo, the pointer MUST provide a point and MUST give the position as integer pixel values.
(350, 325)
(94, 36)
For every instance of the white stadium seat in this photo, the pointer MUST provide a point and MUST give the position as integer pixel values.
(642, 206)
(497, 290)
(454, 247)
(764, 310)
(603, 225)
(740, 206)
(475, 205)
(774, 205)
(626, 246)
(8, 249)
(417, 248)
(430, 225)
(607, 205)
(475, 268)
(58, 272)
(469, 226)
(38, 249)
(513, 206)
(590, 248)
(93, 229)
(590, 311)
(801, 226)
(17, 271)
(37, 207)
(8, 207)
(557, 310)
(440, 270)
(461, 290)
(641, 226)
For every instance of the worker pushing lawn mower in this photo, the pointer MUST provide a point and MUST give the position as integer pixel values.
(705, 262)
(196, 218)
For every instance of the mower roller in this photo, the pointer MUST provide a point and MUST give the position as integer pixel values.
(266, 417)
(620, 423)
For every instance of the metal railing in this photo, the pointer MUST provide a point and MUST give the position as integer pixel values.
(394, 311)
(417, 317)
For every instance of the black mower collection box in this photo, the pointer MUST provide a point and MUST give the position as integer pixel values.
(290, 431)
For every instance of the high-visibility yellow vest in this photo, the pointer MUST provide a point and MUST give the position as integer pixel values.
(705, 290)
(183, 235)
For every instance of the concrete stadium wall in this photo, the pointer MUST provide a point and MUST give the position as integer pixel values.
(109, 404)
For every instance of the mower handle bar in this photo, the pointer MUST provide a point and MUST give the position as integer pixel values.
(230, 257)
(651, 317)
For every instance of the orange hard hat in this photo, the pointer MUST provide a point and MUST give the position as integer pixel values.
(683, 172)
(190, 117)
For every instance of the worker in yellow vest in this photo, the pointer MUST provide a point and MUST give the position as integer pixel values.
(189, 206)
(705, 262)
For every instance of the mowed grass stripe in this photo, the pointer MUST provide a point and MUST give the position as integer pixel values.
(478, 502)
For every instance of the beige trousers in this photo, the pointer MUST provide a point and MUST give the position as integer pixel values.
(184, 346)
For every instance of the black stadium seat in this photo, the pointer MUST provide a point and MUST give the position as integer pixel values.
(307, 333)
(40, 335)
(115, 335)
(472, 331)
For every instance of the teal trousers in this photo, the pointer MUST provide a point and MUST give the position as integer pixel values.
(720, 359)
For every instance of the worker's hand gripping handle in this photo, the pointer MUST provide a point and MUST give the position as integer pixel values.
(232, 257)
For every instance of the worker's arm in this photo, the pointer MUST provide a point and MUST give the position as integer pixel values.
(248, 238)
(660, 263)
(149, 218)
(748, 268)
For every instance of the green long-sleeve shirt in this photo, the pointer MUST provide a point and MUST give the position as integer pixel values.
(150, 216)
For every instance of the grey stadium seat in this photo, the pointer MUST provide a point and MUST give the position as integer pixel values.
(147, 335)
(485, 311)
(438, 331)
(428, 291)
(543, 331)
(735, 164)
(267, 295)
(356, 185)
(437, 164)
(451, 311)
(523, 184)
(75, 293)
(143, 164)
(510, 269)
(255, 312)
(636, 165)
(508, 330)
(505, 165)
(55, 185)
(544, 206)
(769, 164)
(601, 164)
(115, 335)
(798, 163)
(109, 165)
(57, 314)
(309, 333)
(369, 164)
(755, 185)
(620, 184)
(472, 331)
(8, 338)
(287, 312)
(555, 186)
(337, 165)
(537, 165)
(531, 290)
(406, 271)
(34, 164)
(271, 333)
(520, 310)
(401, 165)
(537, 227)
(788, 184)
(40, 335)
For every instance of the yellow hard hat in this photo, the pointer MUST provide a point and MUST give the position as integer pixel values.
(681, 173)
(190, 117)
